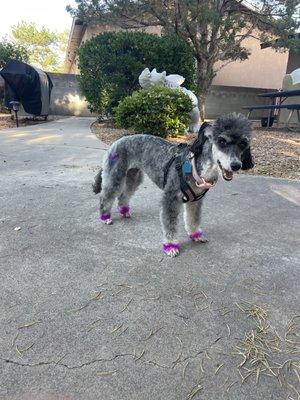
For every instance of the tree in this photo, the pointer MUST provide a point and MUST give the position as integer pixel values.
(12, 51)
(110, 64)
(46, 48)
(215, 30)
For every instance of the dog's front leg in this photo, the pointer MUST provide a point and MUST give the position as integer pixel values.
(171, 205)
(192, 216)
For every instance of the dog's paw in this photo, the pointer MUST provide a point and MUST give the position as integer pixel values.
(106, 219)
(198, 237)
(171, 249)
(125, 211)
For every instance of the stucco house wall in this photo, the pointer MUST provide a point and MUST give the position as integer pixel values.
(265, 68)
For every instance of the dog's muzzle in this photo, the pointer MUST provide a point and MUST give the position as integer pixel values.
(227, 175)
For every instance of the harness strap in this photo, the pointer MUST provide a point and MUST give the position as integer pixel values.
(170, 162)
(167, 167)
(188, 193)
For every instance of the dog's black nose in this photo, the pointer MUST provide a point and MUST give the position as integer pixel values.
(235, 165)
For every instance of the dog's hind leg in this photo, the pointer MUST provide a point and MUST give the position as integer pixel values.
(192, 216)
(112, 186)
(171, 205)
(134, 178)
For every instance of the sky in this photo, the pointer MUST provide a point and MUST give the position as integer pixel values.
(51, 13)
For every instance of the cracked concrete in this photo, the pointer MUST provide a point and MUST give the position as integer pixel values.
(66, 365)
(95, 312)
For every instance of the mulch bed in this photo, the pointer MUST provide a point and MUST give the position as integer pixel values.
(7, 122)
(276, 151)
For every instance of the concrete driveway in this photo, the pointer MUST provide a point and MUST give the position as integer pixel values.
(97, 312)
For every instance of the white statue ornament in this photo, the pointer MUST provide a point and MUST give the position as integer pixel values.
(154, 78)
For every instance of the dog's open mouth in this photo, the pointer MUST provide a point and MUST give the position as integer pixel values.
(227, 175)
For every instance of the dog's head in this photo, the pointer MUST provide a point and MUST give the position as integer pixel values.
(230, 137)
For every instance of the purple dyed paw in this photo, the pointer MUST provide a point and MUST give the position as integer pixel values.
(171, 249)
(197, 237)
(106, 218)
(124, 211)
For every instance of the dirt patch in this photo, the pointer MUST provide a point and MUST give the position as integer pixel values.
(276, 152)
(7, 122)
(107, 133)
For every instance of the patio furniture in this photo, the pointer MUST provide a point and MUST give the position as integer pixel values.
(278, 104)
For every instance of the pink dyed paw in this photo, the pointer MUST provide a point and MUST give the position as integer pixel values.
(125, 211)
(106, 218)
(171, 249)
(198, 237)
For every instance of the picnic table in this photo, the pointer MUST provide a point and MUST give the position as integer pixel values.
(278, 98)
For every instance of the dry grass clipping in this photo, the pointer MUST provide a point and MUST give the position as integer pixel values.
(253, 310)
(261, 346)
(256, 350)
(106, 373)
(292, 336)
(196, 390)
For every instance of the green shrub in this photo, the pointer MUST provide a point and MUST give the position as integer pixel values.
(12, 51)
(110, 64)
(159, 111)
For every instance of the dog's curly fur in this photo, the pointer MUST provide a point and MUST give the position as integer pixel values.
(222, 147)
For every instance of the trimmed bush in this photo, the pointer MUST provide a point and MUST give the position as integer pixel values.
(159, 111)
(111, 63)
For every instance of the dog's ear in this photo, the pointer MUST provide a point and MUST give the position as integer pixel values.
(247, 160)
(197, 145)
(202, 129)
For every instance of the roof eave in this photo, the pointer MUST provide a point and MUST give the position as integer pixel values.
(77, 31)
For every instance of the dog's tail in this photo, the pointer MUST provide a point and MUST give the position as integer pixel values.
(98, 182)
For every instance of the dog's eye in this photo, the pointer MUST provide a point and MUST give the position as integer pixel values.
(222, 142)
(243, 144)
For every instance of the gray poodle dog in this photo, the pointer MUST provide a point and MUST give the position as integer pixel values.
(184, 173)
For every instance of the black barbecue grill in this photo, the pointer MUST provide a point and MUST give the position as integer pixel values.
(28, 86)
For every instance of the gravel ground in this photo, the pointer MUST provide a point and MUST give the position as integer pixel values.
(7, 122)
(276, 152)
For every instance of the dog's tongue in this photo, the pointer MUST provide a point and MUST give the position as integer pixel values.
(204, 184)
(200, 182)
